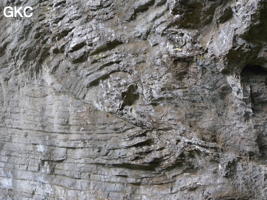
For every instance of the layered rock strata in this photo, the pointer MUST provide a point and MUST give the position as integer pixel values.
(134, 100)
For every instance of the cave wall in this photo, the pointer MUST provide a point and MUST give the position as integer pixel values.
(134, 100)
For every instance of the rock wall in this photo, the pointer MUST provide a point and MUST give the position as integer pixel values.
(134, 100)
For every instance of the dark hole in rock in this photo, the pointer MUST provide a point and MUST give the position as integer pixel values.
(130, 96)
(254, 82)
(254, 70)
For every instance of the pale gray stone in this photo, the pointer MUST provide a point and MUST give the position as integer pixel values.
(134, 100)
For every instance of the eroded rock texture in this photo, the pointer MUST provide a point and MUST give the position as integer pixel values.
(134, 100)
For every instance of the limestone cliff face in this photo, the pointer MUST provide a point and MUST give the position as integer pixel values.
(134, 100)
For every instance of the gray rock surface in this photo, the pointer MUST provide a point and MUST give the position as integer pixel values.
(134, 100)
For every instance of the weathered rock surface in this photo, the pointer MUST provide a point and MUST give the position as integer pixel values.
(134, 100)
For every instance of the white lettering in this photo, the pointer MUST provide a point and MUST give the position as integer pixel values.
(18, 11)
(8, 11)
(30, 12)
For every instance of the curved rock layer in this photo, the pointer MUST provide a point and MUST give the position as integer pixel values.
(134, 100)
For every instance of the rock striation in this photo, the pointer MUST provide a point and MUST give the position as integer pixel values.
(134, 100)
